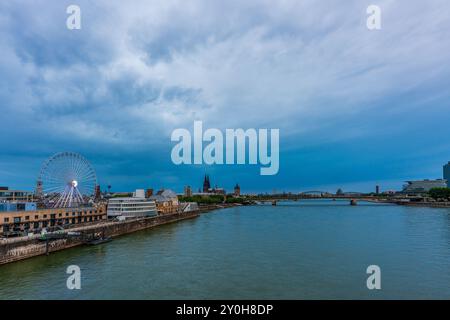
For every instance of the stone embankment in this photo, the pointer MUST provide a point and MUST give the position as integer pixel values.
(16, 249)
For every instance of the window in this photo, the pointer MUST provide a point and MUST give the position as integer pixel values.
(6, 220)
(36, 217)
(27, 217)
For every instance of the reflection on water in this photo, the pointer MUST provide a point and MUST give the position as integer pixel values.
(295, 250)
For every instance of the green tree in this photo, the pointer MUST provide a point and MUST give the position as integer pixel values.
(439, 193)
(235, 200)
(209, 199)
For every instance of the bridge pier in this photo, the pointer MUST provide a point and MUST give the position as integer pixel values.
(274, 202)
(353, 202)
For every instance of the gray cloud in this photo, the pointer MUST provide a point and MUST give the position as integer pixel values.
(139, 69)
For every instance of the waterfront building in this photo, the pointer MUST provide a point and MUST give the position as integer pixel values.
(237, 190)
(377, 189)
(166, 201)
(15, 195)
(17, 206)
(139, 193)
(446, 170)
(132, 207)
(421, 186)
(26, 221)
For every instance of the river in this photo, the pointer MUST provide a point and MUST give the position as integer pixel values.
(310, 249)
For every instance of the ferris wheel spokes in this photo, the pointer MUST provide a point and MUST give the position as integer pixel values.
(67, 180)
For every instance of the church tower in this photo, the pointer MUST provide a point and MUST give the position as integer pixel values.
(237, 190)
(206, 184)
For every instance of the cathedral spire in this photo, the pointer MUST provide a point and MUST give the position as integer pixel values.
(206, 184)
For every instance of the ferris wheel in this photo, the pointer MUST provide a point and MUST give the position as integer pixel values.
(66, 180)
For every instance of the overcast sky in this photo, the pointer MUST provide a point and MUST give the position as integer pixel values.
(354, 107)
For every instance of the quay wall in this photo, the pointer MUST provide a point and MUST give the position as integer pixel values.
(425, 204)
(12, 250)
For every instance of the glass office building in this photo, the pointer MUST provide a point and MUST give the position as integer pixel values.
(447, 173)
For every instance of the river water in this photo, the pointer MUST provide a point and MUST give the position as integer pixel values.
(311, 249)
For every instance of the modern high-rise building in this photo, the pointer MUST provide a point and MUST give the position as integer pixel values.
(446, 170)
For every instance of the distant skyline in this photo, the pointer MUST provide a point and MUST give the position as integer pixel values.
(355, 108)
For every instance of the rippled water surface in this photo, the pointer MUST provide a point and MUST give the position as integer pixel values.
(296, 250)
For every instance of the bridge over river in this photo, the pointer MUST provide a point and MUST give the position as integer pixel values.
(353, 197)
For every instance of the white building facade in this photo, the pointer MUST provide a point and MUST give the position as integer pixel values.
(132, 207)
